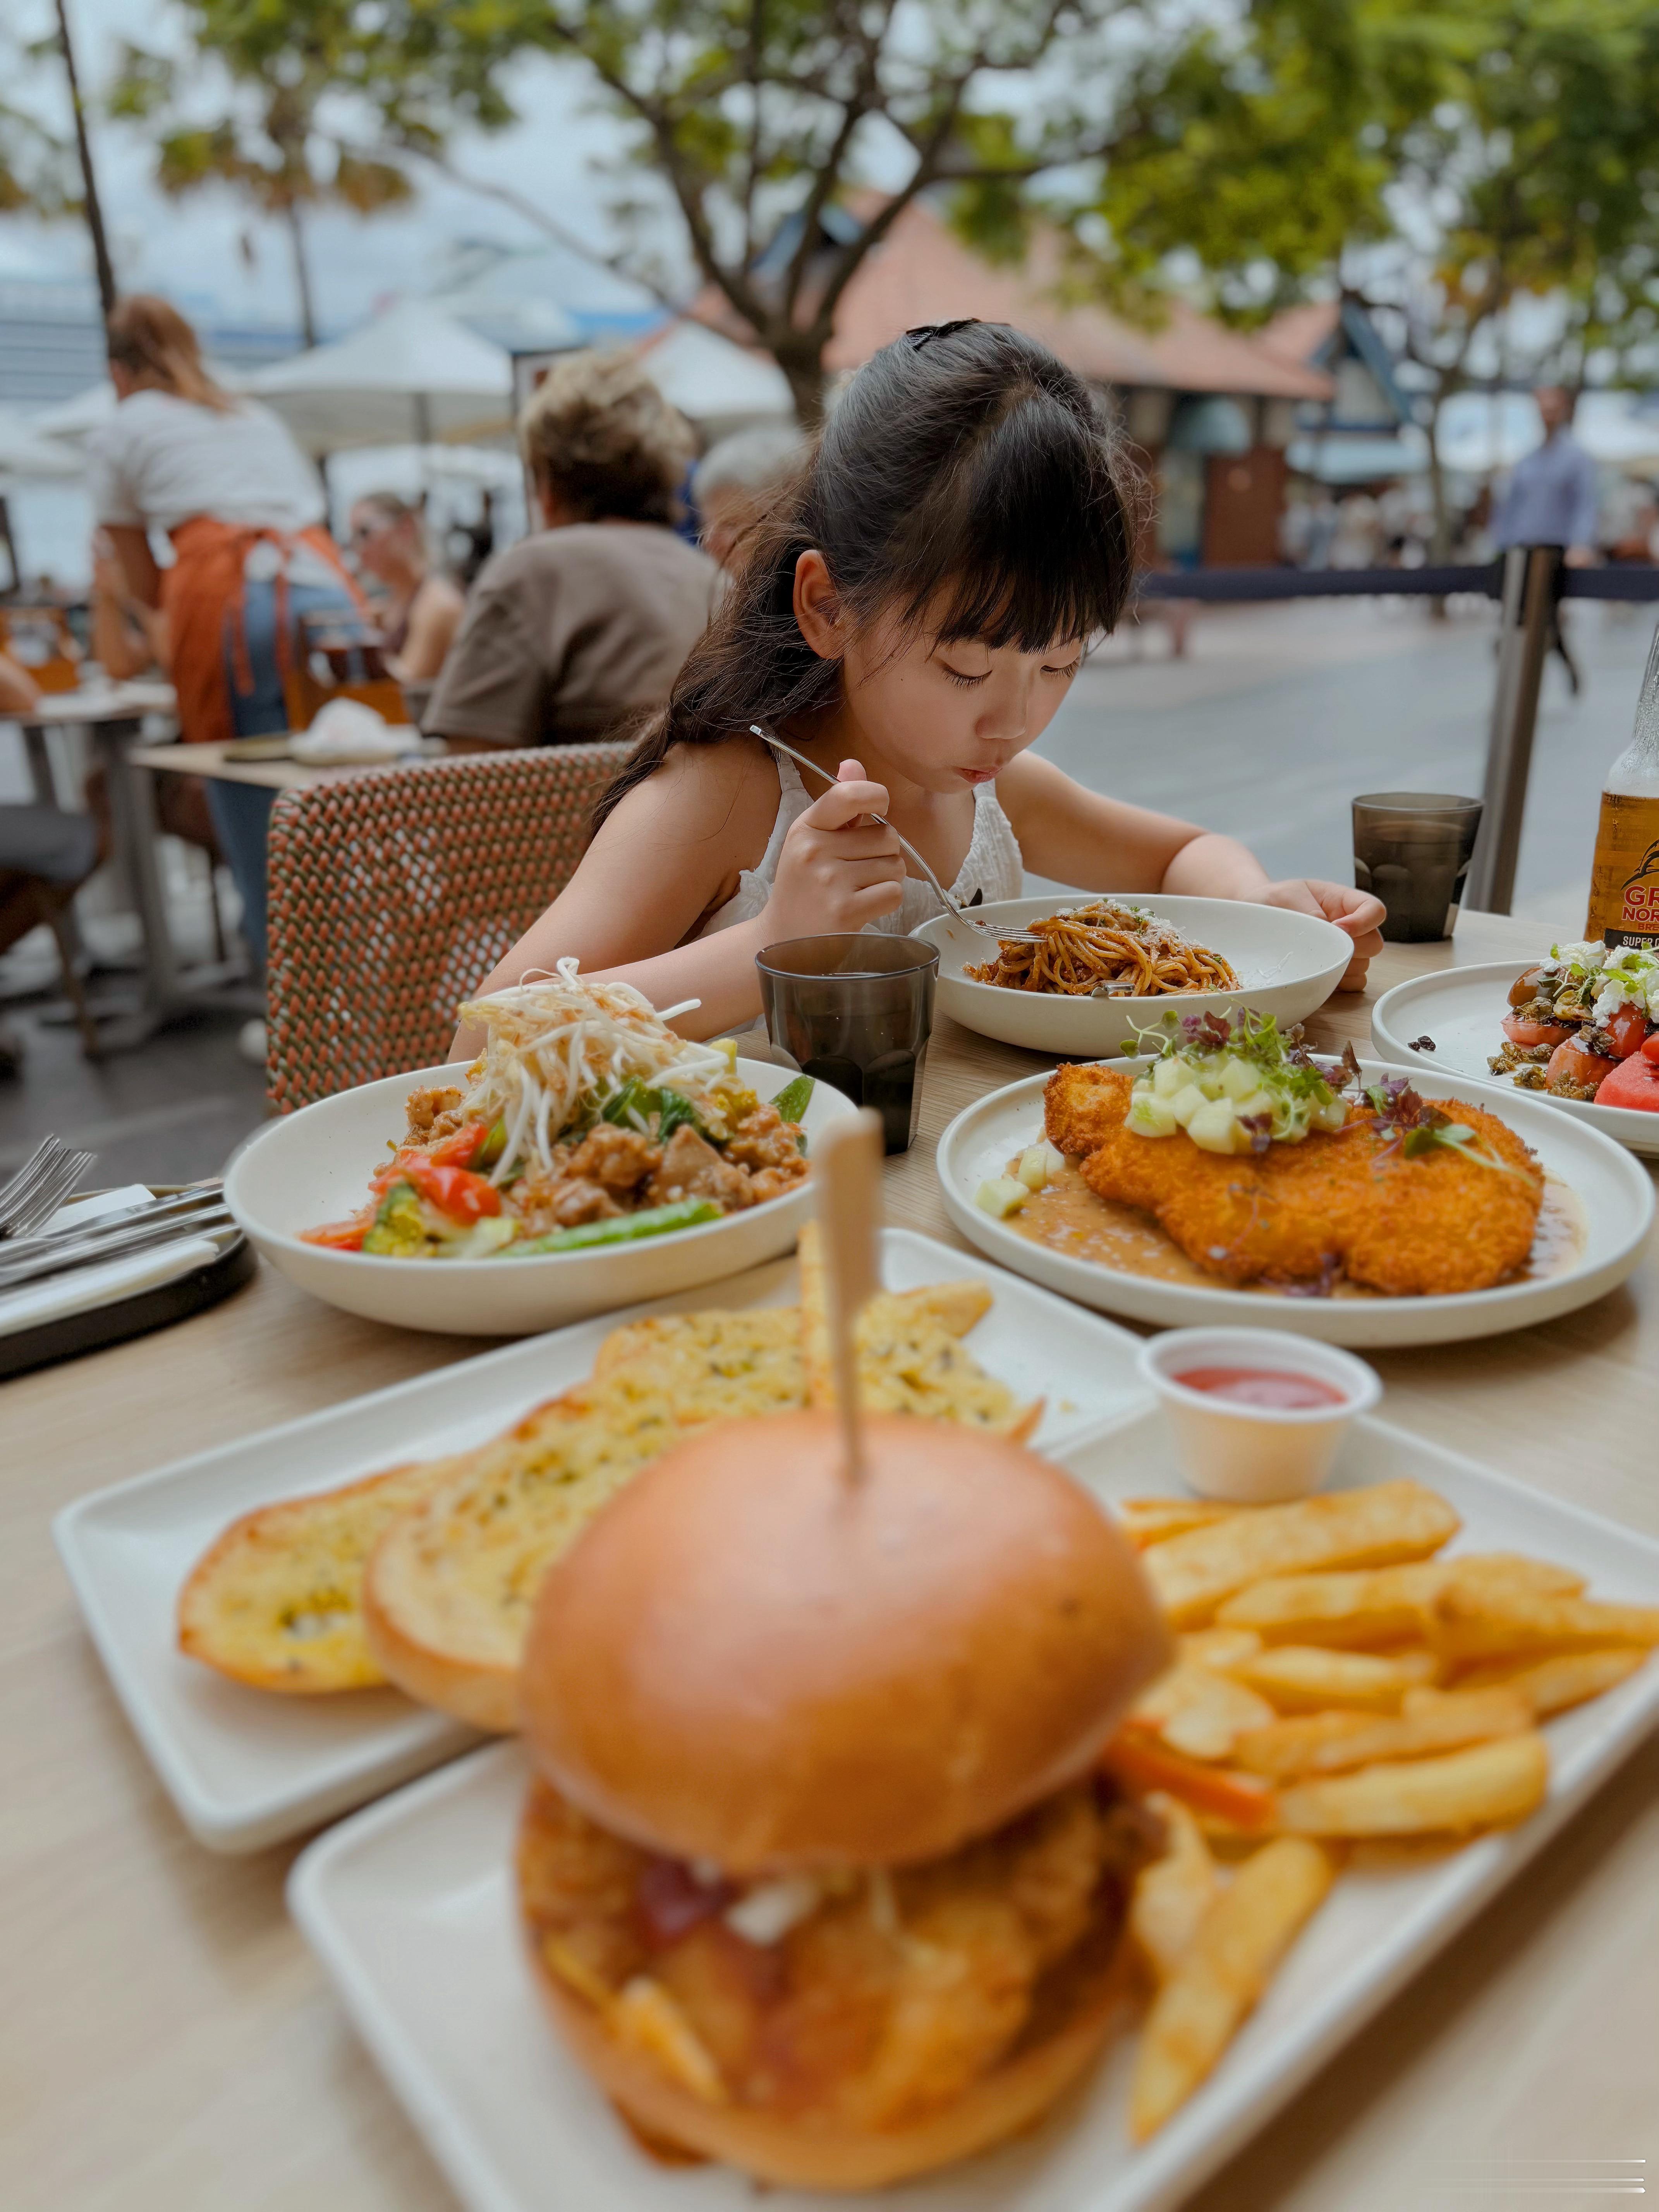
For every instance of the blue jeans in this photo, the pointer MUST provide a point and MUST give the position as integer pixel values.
(241, 811)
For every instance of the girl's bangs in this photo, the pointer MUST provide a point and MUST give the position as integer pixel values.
(1028, 544)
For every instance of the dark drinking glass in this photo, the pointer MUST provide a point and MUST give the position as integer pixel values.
(1413, 848)
(856, 1012)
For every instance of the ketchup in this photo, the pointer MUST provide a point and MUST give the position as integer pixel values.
(1262, 1386)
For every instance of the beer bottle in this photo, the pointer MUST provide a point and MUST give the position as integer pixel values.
(1624, 901)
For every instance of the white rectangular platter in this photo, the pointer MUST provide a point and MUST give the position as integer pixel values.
(410, 1908)
(245, 1768)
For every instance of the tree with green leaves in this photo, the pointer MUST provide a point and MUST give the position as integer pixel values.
(289, 76)
(759, 118)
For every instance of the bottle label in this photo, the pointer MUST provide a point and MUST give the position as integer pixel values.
(1623, 904)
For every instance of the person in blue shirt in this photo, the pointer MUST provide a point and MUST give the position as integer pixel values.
(1553, 500)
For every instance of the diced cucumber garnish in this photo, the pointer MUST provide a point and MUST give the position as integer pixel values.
(1001, 1196)
(1214, 1128)
(1151, 1116)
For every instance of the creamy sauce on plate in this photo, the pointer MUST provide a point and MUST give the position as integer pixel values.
(1068, 1217)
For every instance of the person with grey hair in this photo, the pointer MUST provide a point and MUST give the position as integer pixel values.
(572, 633)
(732, 478)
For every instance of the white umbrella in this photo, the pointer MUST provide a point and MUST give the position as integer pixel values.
(412, 375)
(714, 382)
(26, 451)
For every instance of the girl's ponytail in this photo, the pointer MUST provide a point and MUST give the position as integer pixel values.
(965, 478)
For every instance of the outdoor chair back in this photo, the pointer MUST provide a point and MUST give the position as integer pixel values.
(392, 896)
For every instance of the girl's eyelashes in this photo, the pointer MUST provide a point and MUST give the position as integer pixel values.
(1066, 673)
(959, 676)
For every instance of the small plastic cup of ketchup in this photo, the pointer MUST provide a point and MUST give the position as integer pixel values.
(1257, 1414)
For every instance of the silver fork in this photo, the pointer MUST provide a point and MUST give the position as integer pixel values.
(41, 1186)
(950, 904)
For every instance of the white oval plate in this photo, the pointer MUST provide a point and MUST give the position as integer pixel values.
(1615, 1194)
(314, 1166)
(1462, 1010)
(1288, 965)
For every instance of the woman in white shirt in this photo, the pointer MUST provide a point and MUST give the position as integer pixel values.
(246, 514)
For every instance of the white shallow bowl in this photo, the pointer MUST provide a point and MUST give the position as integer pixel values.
(411, 1907)
(314, 1166)
(1462, 1009)
(1288, 964)
(1615, 1196)
(1256, 1455)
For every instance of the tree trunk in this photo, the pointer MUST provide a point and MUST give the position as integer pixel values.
(94, 205)
(302, 272)
(800, 355)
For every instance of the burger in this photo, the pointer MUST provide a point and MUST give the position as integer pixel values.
(819, 1870)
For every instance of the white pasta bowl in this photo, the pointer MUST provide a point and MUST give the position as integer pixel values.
(314, 1166)
(1287, 965)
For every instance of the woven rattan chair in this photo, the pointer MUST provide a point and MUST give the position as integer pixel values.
(394, 895)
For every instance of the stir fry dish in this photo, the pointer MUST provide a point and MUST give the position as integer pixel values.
(1260, 1164)
(585, 1120)
(1106, 951)
(1585, 1024)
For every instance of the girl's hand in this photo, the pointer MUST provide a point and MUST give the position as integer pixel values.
(1356, 912)
(837, 870)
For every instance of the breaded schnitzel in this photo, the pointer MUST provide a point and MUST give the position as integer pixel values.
(1423, 1226)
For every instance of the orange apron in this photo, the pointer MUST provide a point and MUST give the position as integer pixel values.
(203, 592)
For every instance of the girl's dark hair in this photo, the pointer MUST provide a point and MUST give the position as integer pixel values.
(965, 475)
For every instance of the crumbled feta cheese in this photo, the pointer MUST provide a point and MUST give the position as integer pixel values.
(1630, 978)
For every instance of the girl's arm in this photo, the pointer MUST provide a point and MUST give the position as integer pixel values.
(673, 850)
(1102, 844)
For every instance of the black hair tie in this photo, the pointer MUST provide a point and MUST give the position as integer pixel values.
(925, 332)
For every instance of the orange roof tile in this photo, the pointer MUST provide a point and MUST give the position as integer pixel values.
(923, 272)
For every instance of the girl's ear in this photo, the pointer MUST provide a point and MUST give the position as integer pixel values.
(818, 610)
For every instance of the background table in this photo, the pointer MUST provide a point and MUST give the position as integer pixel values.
(169, 2045)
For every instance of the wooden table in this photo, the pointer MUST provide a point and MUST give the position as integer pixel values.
(215, 762)
(169, 2045)
(113, 718)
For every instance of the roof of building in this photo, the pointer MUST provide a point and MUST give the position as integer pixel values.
(923, 272)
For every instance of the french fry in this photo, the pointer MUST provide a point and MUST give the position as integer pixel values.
(1282, 1751)
(1551, 1686)
(1304, 1678)
(1476, 1619)
(1387, 1605)
(1431, 1721)
(1386, 1525)
(1147, 1520)
(1142, 1761)
(1217, 1647)
(1172, 1895)
(1229, 1961)
(1200, 1711)
(1491, 1786)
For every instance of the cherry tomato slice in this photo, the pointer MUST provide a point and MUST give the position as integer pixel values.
(461, 1149)
(1627, 1027)
(1573, 1063)
(1650, 1047)
(1523, 1032)
(339, 1235)
(463, 1196)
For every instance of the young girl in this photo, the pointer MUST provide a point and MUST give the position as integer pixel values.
(909, 612)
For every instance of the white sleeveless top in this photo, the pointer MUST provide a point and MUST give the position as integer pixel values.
(992, 867)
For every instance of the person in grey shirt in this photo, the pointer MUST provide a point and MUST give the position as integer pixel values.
(1553, 500)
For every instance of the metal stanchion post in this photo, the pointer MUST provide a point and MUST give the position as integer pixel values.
(1531, 577)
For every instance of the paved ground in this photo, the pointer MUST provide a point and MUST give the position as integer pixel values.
(1275, 720)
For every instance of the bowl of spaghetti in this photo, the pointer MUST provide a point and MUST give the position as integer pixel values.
(1106, 966)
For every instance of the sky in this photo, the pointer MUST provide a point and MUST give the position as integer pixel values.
(212, 245)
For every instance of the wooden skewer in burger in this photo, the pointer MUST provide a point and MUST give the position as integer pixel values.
(819, 1873)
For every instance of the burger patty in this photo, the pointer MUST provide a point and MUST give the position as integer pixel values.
(888, 1994)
